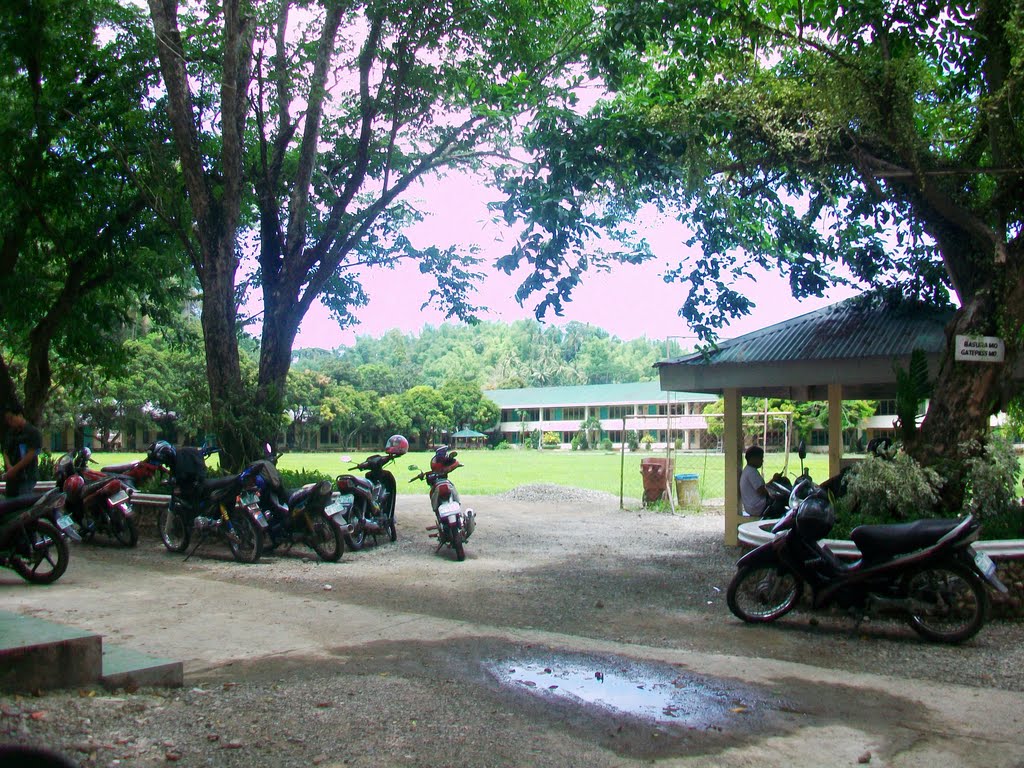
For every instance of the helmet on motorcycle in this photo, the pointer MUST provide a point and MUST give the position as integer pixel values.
(444, 460)
(73, 485)
(162, 452)
(815, 517)
(396, 446)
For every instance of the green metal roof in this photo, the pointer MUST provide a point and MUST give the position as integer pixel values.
(590, 394)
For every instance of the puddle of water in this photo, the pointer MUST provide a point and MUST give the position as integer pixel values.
(649, 691)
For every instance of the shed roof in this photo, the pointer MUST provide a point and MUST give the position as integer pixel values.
(642, 392)
(855, 343)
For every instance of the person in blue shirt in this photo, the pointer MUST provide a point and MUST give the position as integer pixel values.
(21, 446)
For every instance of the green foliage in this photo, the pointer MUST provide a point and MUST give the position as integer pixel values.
(912, 389)
(647, 441)
(607, 444)
(891, 490)
(992, 470)
(632, 440)
(552, 440)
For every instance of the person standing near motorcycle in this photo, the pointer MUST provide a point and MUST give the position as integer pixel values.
(22, 443)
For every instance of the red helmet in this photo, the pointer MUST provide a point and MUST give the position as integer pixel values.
(73, 485)
(444, 460)
(396, 446)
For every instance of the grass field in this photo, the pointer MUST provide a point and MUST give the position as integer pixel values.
(492, 472)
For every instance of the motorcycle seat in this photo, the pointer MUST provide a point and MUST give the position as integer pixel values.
(322, 488)
(94, 485)
(888, 540)
(16, 503)
(357, 484)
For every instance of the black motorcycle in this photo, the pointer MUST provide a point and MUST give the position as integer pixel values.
(925, 572)
(30, 542)
(299, 517)
(367, 504)
(206, 508)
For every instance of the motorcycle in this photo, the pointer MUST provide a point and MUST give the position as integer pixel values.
(453, 525)
(100, 504)
(367, 504)
(209, 507)
(31, 544)
(133, 473)
(299, 517)
(925, 572)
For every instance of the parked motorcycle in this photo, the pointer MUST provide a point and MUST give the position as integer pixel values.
(299, 517)
(925, 572)
(100, 505)
(453, 525)
(204, 507)
(367, 504)
(30, 542)
(132, 474)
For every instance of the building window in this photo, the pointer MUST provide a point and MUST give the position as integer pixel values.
(574, 414)
(886, 408)
(620, 411)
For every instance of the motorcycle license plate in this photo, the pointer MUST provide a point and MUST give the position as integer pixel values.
(448, 508)
(985, 564)
(65, 523)
(340, 505)
(258, 516)
(250, 499)
(118, 498)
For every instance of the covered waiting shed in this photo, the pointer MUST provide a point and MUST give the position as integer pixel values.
(846, 351)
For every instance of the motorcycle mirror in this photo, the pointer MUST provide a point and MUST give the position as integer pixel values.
(801, 450)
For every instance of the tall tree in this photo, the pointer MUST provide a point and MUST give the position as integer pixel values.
(80, 250)
(878, 142)
(311, 122)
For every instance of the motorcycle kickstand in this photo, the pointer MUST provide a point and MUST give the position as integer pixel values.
(199, 542)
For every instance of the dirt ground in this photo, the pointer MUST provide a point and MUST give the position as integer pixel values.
(574, 634)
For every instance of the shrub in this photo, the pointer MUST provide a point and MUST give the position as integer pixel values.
(606, 444)
(648, 441)
(504, 445)
(632, 440)
(891, 490)
(552, 440)
(991, 471)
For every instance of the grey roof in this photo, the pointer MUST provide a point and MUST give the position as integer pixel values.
(843, 331)
(855, 343)
(643, 392)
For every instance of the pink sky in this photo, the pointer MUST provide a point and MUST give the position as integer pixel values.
(630, 302)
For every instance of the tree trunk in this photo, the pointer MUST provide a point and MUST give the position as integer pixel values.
(967, 394)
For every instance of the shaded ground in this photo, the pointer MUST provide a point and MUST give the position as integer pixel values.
(399, 656)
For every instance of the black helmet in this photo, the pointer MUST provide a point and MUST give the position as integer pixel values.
(444, 460)
(815, 517)
(162, 452)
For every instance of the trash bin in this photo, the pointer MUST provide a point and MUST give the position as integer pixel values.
(655, 476)
(688, 490)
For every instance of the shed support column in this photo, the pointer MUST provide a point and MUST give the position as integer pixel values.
(732, 424)
(835, 428)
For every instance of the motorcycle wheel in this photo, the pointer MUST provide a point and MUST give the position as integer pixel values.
(457, 545)
(949, 602)
(40, 552)
(326, 540)
(249, 546)
(354, 541)
(173, 532)
(392, 530)
(760, 594)
(125, 530)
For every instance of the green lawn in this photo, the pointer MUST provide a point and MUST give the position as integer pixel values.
(492, 472)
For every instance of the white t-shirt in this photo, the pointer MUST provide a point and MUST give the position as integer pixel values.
(753, 502)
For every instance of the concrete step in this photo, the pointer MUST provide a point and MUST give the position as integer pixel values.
(128, 668)
(36, 654)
